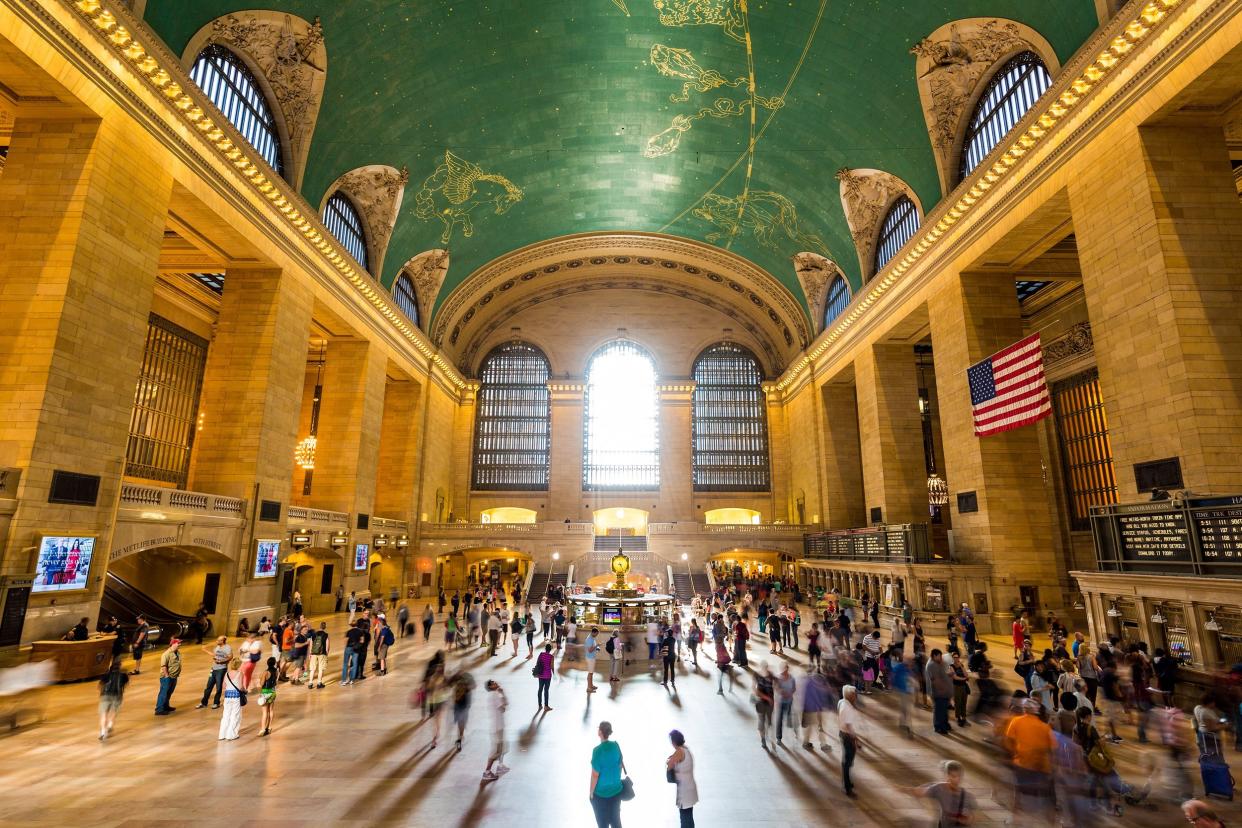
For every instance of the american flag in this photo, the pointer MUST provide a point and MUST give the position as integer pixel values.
(1007, 390)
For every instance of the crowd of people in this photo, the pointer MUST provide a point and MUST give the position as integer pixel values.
(1055, 726)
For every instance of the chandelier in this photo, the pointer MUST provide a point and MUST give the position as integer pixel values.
(304, 453)
(937, 491)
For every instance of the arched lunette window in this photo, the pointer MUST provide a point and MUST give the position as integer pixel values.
(621, 438)
(838, 300)
(341, 218)
(513, 421)
(898, 227)
(405, 297)
(1010, 94)
(729, 431)
(231, 86)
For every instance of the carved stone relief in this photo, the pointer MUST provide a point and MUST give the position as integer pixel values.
(1075, 344)
(950, 65)
(291, 58)
(866, 196)
(814, 273)
(376, 192)
(427, 270)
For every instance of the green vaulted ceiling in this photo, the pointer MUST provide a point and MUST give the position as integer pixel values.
(626, 114)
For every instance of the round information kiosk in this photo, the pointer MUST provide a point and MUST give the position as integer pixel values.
(619, 606)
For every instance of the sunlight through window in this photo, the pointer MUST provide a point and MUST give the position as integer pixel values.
(622, 420)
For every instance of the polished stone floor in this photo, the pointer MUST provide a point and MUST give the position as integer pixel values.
(359, 755)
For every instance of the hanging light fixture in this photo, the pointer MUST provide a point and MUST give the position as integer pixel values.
(1157, 617)
(304, 452)
(937, 486)
(1212, 625)
(1113, 612)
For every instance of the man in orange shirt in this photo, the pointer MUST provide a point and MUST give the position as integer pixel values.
(1030, 742)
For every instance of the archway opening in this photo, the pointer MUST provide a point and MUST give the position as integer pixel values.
(169, 585)
(732, 515)
(508, 514)
(622, 520)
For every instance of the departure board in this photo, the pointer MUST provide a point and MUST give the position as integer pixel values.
(1218, 524)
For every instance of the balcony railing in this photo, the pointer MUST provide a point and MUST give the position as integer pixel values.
(545, 528)
(784, 530)
(304, 516)
(389, 524)
(135, 495)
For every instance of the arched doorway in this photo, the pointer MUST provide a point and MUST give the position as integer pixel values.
(169, 585)
(314, 572)
(753, 564)
(483, 566)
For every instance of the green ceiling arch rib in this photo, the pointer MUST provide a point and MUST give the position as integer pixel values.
(705, 119)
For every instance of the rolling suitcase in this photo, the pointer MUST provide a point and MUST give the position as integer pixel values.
(1217, 780)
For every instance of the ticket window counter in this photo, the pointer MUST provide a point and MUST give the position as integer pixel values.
(1176, 637)
(1229, 638)
(936, 596)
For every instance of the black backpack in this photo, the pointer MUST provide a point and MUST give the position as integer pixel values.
(610, 646)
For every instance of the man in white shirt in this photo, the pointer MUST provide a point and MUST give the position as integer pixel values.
(503, 616)
(499, 704)
(653, 641)
(850, 721)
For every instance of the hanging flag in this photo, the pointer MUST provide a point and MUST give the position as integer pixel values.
(1008, 390)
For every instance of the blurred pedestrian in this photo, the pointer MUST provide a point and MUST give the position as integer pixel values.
(499, 704)
(111, 693)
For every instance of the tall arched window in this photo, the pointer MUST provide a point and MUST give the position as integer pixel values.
(405, 297)
(899, 226)
(838, 300)
(342, 220)
(233, 89)
(729, 431)
(1010, 94)
(513, 421)
(622, 434)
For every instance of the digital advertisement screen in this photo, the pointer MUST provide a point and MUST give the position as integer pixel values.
(361, 553)
(63, 563)
(266, 557)
(612, 615)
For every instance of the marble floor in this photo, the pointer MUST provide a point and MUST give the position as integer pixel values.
(359, 755)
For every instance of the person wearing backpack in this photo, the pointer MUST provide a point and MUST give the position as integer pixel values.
(111, 692)
(613, 648)
(694, 637)
(384, 639)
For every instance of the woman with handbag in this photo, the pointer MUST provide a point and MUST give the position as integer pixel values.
(679, 770)
(608, 787)
(267, 697)
(234, 700)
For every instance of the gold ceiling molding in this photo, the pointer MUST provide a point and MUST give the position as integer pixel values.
(1097, 61)
(479, 341)
(953, 65)
(149, 60)
(288, 58)
(680, 262)
(866, 197)
(376, 191)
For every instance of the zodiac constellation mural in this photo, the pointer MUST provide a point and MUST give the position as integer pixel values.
(456, 188)
(769, 217)
(680, 63)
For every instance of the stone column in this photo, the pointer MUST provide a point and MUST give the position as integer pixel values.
(844, 505)
(350, 418)
(396, 483)
(252, 387)
(973, 317)
(894, 469)
(779, 443)
(565, 485)
(463, 453)
(676, 479)
(83, 205)
(1159, 232)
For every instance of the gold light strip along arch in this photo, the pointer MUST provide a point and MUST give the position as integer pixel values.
(164, 73)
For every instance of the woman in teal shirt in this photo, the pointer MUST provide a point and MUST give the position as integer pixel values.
(606, 768)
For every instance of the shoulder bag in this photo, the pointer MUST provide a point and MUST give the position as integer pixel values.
(241, 694)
